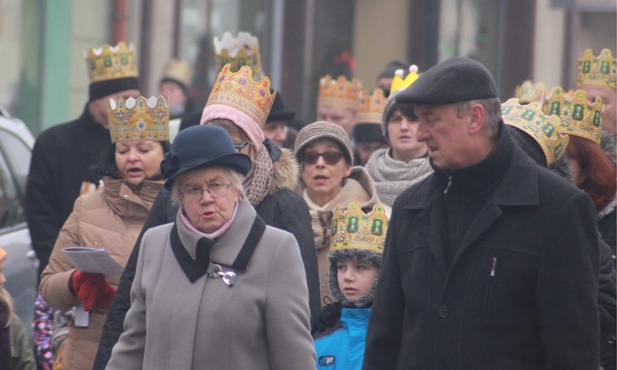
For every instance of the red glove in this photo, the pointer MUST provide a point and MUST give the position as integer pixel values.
(92, 289)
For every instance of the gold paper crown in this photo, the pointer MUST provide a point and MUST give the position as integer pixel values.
(528, 92)
(355, 229)
(371, 107)
(398, 83)
(239, 51)
(111, 62)
(544, 129)
(138, 119)
(178, 70)
(578, 116)
(600, 71)
(340, 93)
(240, 91)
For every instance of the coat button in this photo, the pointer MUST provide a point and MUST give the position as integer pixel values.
(443, 312)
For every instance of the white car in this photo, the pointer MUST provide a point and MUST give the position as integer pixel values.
(21, 271)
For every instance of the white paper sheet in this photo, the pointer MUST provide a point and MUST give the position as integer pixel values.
(94, 260)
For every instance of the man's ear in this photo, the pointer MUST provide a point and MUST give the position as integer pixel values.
(476, 118)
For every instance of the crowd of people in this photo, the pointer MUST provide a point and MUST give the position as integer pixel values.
(426, 225)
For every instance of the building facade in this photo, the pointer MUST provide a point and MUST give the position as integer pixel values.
(43, 77)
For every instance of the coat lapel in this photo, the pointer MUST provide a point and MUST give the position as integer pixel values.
(519, 188)
(430, 219)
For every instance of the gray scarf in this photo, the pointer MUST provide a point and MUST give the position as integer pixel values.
(257, 183)
(392, 176)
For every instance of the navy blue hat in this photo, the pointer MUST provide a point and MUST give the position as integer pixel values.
(202, 146)
(452, 81)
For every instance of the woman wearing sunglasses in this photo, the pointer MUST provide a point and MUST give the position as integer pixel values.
(327, 179)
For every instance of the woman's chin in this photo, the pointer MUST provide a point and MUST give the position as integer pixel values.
(134, 181)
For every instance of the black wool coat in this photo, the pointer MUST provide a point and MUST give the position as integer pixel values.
(520, 293)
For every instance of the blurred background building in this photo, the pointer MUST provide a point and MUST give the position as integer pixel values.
(43, 77)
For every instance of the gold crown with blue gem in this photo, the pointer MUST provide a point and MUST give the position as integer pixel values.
(355, 230)
(597, 71)
(544, 129)
(241, 50)
(578, 116)
(138, 119)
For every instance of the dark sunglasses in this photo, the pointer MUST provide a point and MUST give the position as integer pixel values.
(330, 158)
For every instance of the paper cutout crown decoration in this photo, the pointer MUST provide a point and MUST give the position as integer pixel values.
(355, 229)
(178, 70)
(544, 129)
(600, 71)
(578, 116)
(528, 92)
(138, 119)
(111, 62)
(399, 83)
(239, 51)
(240, 91)
(339, 93)
(371, 107)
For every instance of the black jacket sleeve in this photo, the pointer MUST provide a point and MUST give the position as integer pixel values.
(287, 210)
(42, 202)
(162, 212)
(607, 296)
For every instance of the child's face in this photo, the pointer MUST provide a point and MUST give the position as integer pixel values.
(355, 279)
(2, 278)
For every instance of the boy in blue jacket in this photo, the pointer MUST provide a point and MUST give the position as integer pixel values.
(339, 330)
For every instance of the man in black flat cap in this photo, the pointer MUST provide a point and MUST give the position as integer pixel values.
(491, 262)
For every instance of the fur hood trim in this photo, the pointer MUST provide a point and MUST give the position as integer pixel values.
(285, 172)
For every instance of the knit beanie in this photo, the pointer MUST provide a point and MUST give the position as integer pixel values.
(322, 130)
(388, 110)
(368, 133)
(386, 113)
(367, 248)
(101, 89)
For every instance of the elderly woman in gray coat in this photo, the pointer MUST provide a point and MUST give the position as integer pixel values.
(217, 288)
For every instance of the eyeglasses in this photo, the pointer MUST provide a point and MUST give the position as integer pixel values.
(215, 190)
(241, 146)
(330, 158)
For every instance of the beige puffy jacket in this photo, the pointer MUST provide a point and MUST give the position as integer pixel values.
(111, 219)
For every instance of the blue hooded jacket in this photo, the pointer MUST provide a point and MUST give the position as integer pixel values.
(342, 346)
